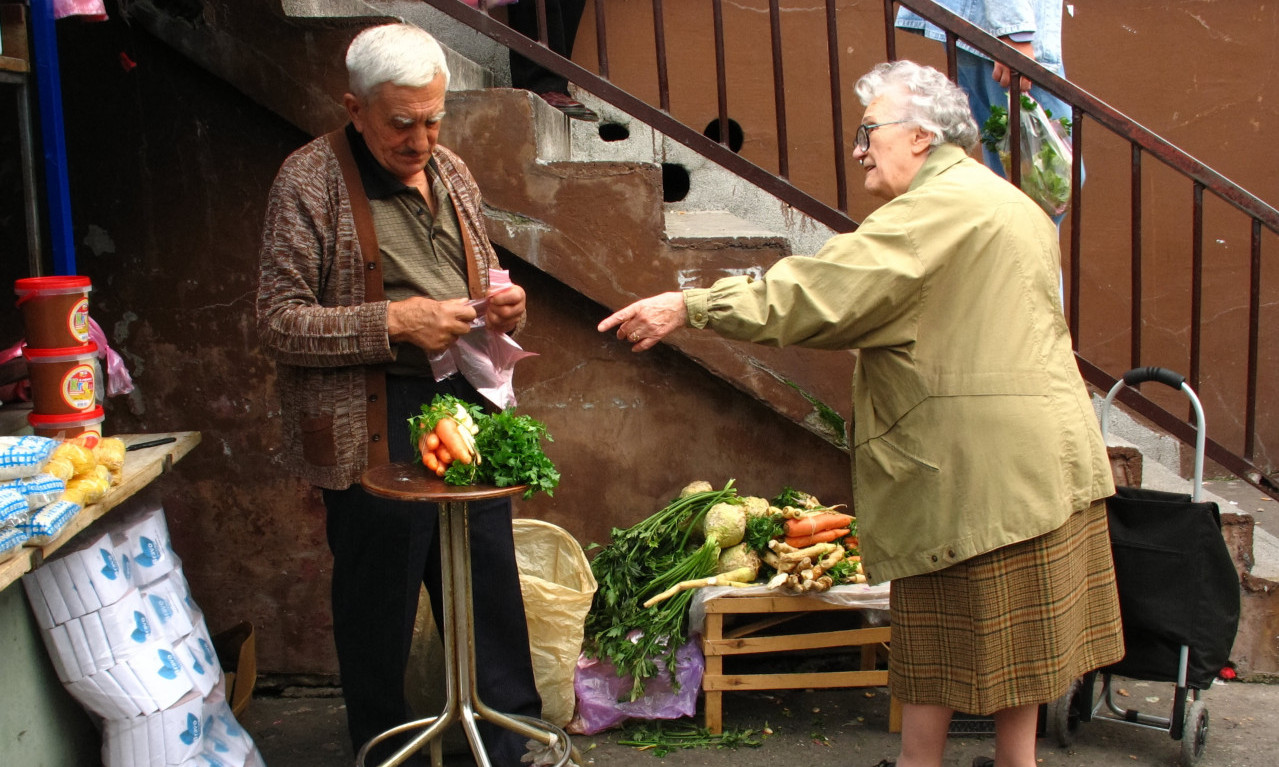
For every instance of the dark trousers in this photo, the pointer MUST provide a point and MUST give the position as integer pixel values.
(562, 18)
(383, 551)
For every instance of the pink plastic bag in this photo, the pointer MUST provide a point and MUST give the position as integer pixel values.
(95, 9)
(118, 379)
(486, 359)
(601, 692)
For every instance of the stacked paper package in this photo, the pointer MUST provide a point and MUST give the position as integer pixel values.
(132, 647)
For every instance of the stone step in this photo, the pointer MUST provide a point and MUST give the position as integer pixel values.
(709, 228)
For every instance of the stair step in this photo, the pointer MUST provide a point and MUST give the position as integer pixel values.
(694, 228)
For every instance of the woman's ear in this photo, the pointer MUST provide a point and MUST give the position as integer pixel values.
(921, 141)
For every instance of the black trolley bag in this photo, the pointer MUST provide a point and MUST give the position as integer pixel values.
(1179, 598)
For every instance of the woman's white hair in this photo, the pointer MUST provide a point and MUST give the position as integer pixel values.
(927, 98)
(401, 54)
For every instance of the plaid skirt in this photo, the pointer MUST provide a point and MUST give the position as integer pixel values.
(1010, 627)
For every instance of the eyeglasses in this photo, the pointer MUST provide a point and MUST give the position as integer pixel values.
(863, 133)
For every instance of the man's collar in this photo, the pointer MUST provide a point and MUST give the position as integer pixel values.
(378, 181)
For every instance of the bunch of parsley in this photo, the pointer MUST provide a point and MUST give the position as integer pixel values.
(510, 448)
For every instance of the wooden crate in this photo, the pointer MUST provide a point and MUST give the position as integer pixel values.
(747, 616)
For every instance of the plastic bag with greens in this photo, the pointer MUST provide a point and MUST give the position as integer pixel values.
(1046, 154)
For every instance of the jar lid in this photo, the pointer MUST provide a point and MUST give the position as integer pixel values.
(54, 284)
(42, 421)
(66, 352)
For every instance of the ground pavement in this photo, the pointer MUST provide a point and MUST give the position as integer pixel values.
(825, 728)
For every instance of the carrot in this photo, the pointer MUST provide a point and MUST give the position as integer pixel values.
(815, 523)
(445, 457)
(451, 439)
(432, 440)
(824, 536)
(429, 460)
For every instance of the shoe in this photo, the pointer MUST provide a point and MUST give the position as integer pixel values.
(570, 106)
(983, 761)
(887, 763)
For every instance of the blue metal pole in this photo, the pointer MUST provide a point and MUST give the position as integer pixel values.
(52, 136)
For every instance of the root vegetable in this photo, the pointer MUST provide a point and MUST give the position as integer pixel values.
(825, 536)
(726, 523)
(793, 554)
(755, 506)
(451, 440)
(698, 486)
(810, 524)
(738, 557)
(740, 577)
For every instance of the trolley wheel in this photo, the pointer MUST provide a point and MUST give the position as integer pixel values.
(1195, 737)
(1062, 716)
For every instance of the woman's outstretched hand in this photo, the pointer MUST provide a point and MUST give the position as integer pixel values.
(648, 320)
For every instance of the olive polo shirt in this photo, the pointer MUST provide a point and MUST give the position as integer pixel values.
(422, 254)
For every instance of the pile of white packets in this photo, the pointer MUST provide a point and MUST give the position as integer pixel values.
(132, 647)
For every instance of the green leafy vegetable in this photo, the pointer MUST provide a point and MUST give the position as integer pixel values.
(640, 562)
(663, 737)
(509, 445)
(1045, 171)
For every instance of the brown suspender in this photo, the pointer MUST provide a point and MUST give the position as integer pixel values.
(375, 377)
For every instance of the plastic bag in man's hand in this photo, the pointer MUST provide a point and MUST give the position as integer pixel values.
(484, 357)
(1046, 155)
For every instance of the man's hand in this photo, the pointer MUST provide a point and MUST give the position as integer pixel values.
(1005, 75)
(429, 324)
(506, 308)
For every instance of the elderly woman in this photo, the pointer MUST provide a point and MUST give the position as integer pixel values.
(979, 473)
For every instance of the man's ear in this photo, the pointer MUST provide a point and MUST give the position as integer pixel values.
(353, 110)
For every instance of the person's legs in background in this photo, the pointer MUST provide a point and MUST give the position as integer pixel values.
(562, 18)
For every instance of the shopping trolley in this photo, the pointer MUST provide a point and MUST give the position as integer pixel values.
(1178, 599)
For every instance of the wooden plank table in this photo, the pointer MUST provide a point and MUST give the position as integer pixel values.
(141, 467)
(741, 638)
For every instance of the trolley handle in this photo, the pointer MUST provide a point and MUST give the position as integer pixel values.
(1164, 376)
(1175, 381)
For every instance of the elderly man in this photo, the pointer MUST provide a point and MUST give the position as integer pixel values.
(373, 243)
(979, 473)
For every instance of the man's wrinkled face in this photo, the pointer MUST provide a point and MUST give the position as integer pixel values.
(400, 124)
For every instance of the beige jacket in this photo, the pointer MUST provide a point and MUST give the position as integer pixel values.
(972, 426)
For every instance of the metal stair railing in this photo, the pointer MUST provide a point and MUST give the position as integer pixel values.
(1085, 108)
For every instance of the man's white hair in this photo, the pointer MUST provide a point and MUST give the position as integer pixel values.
(401, 54)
